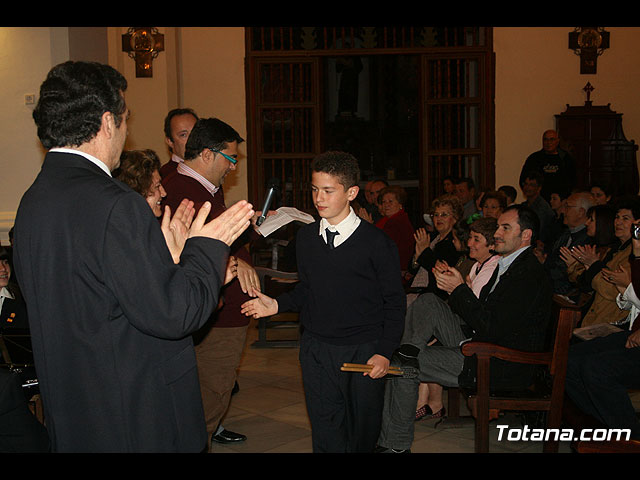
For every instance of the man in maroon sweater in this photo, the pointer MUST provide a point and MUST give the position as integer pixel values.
(210, 154)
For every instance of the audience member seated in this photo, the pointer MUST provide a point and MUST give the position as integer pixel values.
(13, 310)
(513, 310)
(574, 234)
(369, 207)
(510, 192)
(396, 223)
(447, 212)
(480, 244)
(466, 192)
(602, 193)
(602, 274)
(557, 202)
(602, 370)
(531, 186)
(601, 232)
(20, 431)
(493, 204)
(449, 185)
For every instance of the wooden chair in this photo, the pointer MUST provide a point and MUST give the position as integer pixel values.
(272, 283)
(485, 406)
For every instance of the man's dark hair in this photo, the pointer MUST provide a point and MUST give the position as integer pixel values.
(340, 164)
(533, 175)
(174, 113)
(468, 180)
(73, 98)
(210, 133)
(509, 191)
(527, 219)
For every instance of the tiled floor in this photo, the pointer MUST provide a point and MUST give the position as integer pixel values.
(270, 409)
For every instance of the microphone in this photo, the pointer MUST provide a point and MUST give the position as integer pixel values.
(272, 187)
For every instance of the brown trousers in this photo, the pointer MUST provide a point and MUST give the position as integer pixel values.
(218, 355)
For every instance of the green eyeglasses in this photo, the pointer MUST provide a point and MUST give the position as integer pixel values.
(228, 157)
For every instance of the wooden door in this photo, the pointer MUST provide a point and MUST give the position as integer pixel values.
(285, 120)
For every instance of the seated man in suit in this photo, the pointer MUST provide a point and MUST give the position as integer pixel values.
(575, 233)
(513, 310)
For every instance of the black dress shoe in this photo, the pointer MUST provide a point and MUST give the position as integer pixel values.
(226, 436)
(381, 449)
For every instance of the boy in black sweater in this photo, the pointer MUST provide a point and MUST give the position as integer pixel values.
(352, 307)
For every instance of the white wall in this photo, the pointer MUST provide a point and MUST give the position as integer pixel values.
(537, 75)
(26, 55)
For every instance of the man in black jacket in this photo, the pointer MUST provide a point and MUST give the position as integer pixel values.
(513, 310)
(110, 313)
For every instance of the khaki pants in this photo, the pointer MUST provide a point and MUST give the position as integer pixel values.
(218, 356)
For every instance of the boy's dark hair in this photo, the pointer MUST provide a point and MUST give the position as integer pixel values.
(509, 191)
(340, 164)
(533, 175)
(174, 113)
(210, 133)
(527, 219)
(485, 226)
(462, 231)
(73, 98)
(499, 196)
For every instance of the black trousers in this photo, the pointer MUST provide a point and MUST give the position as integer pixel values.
(345, 408)
(599, 373)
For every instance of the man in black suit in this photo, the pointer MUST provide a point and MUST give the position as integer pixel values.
(513, 310)
(110, 312)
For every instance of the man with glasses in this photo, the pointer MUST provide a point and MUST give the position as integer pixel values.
(575, 234)
(210, 154)
(556, 165)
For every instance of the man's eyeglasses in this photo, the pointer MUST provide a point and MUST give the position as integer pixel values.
(228, 157)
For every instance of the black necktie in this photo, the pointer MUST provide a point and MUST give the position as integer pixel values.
(330, 236)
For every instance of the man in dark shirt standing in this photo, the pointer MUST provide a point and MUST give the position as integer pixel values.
(555, 164)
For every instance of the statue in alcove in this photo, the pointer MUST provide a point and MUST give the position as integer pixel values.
(349, 69)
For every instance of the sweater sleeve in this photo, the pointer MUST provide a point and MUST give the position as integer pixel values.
(393, 296)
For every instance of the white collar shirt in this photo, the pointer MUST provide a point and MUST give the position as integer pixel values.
(345, 228)
(185, 169)
(91, 158)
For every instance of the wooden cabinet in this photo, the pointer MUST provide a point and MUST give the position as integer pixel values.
(594, 136)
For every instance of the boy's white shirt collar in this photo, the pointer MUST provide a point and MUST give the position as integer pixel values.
(345, 228)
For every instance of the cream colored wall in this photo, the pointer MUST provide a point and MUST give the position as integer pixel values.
(26, 55)
(213, 83)
(201, 68)
(537, 75)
